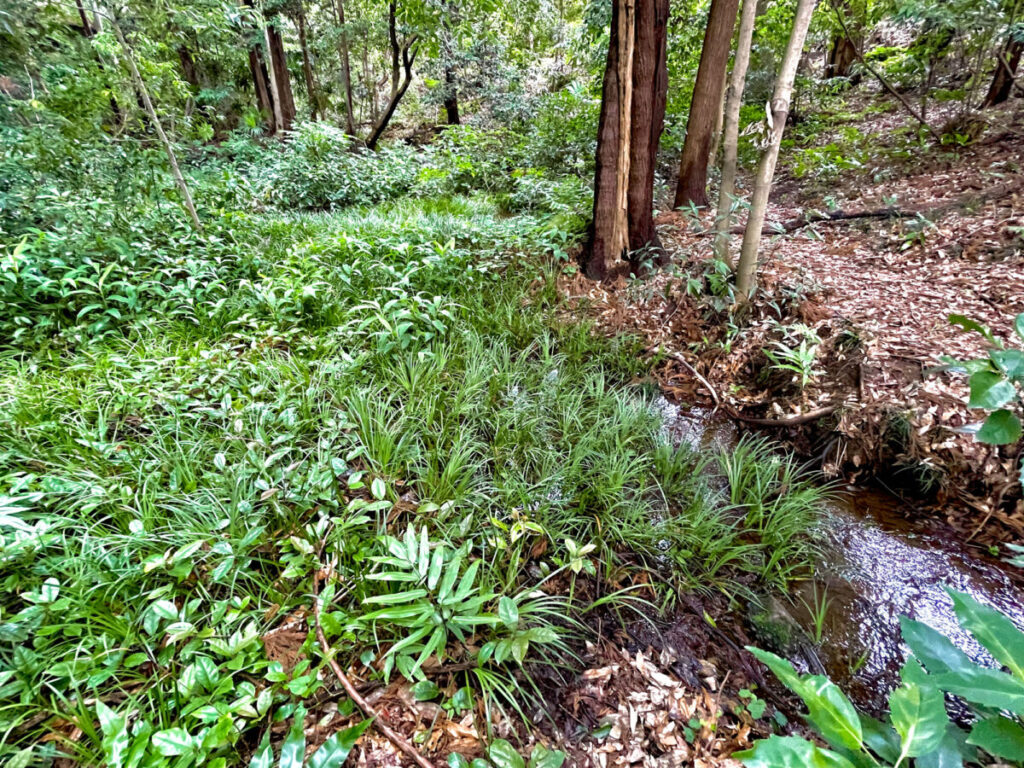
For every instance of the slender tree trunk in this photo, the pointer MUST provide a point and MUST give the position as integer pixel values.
(714, 59)
(403, 56)
(140, 86)
(629, 128)
(307, 65)
(716, 134)
(451, 98)
(88, 31)
(1006, 69)
(731, 130)
(346, 71)
(746, 270)
(188, 67)
(258, 70)
(451, 87)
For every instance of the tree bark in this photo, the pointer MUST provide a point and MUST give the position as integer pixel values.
(629, 129)
(451, 98)
(346, 71)
(403, 56)
(307, 65)
(280, 83)
(842, 52)
(746, 272)
(140, 86)
(731, 130)
(714, 58)
(650, 87)
(716, 133)
(1006, 69)
(258, 70)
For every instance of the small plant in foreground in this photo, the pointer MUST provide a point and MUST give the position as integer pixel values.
(501, 754)
(917, 730)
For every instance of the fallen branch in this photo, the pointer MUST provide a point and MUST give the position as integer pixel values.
(818, 217)
(785, 421)
(707, 385)
(353, 693)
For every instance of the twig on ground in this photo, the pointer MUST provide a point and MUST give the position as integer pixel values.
(707, 385)
(785, 421)
(353, 693)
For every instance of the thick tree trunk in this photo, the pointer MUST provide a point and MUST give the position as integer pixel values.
(629, 129)
(346, 72)
(140, 86)
(258, 70)
(650, 87)
(714, 58)
(188, 68)
(1006, 69)
(609, 229)
(731, 130)
(280, 82)
(842, 52)
(307, 65)
(746, 271)
(403, 56)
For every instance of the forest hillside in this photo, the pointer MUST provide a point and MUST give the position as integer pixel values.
(511, 385)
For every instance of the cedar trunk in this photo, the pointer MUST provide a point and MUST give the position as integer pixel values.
(629, 129)
(307, 64)
(1006, 68)
(280, 83)
(707, 92)
(346, 72)
(451, 98)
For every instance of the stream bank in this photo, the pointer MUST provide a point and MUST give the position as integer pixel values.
(874, 567)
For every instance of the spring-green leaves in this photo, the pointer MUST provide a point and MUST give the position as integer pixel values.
(993, 630)
(919, 716)
(790, 752)
(989, 390)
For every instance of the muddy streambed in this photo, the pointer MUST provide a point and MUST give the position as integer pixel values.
(874, 567)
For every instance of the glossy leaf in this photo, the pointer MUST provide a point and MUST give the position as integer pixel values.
(993, 630)
(333, 752)
(989, 390)
(972, 325)
(790, 752)
(933, 649)
(1002, 427)
(504, 755)
(919, 716)
(999, 736)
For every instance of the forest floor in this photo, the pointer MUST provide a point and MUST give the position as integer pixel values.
(873, 295)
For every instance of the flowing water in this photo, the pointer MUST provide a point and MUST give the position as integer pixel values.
(875, 567)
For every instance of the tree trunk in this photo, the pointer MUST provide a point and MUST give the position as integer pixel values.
(346, 71)
(629, 128)
(716, 133)
(280, 83)
(714, 58)
(746, 271)
(1006, 68)
(188, 68)
(140, 86)
(842, 52)
(731, 130)
(258, 70)
(307, 65)
(650, 87)
(402, 58)
(450, 13)
(451, 98)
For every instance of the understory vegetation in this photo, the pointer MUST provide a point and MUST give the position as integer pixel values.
(204, 428)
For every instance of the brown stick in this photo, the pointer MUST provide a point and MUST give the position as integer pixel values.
(353, 693)
(817, 217)
(785, 421)
(707, 385)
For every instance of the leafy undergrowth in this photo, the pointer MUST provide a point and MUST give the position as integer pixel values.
(380, 405)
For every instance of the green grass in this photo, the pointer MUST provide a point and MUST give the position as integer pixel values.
(167, 488)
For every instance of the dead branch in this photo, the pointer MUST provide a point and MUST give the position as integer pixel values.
(819, 217)
(353, 693)
(785, 421)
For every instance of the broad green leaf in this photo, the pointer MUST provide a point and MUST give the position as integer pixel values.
(988, 687)
(504, 755)
(508, 612)
(933, 649)
(993, 630)
(790, 752)
(832, 713)
(425, 690)
(782, 669)
(115, 734)
(436, 564)
(293, 751)
(1010, 362)
(171, 742)
(378, 488)
(989, 390)
(973, 325)
(455, 760)
(949, 754)
(1018, 325)
(1002, 427)
(165, 609)
(398, 597)
(880, 738)
(919, 716)
(20, 759)
(542, 757)
(1000, 737)
(333, 752)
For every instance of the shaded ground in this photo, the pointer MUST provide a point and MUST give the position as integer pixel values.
(878, 293)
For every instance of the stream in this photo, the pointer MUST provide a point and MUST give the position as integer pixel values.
(875, 566)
